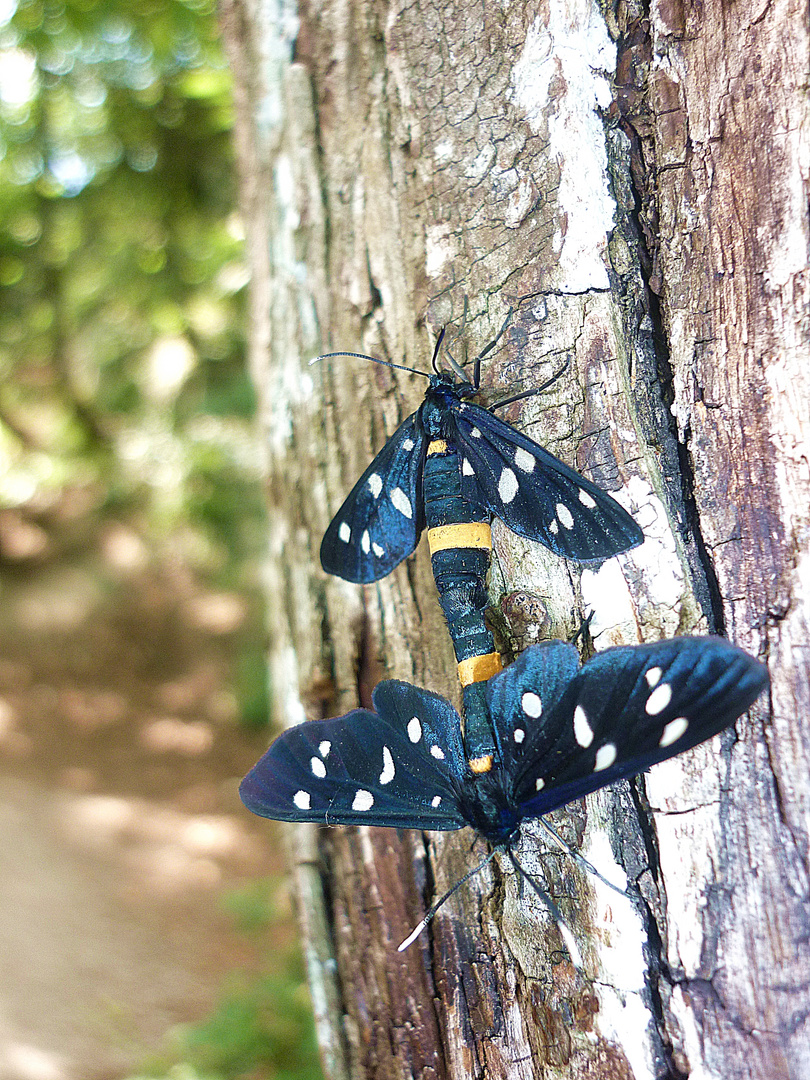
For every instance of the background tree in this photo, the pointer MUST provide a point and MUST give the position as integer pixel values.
(641, 176)
(130, 508)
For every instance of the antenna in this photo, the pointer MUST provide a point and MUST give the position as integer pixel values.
(457, 368)
(411, 938)
(454, 364)
(438, 346)
(372, 359)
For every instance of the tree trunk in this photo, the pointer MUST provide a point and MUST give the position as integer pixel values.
(642, 176)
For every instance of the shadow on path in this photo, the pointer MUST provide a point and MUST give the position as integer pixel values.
(120, 755)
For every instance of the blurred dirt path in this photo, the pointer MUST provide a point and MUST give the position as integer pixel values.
(121, 827)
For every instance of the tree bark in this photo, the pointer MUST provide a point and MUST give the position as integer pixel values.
(642, 176)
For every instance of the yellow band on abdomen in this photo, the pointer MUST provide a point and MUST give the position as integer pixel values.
(474, 534)
(438, 446)
(479, 668)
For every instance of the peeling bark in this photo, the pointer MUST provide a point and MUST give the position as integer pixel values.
(642, 176)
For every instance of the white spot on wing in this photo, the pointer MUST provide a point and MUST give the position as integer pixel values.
(302, 800)
(318, 768)
(437, 752)
(388, 773)
(375, 484)
(524, 460)
(582, 729)
(605, 756)
(653, 675)
(435, 801)
(401, 502)
(673, 731)
(466, 468)
(344, 532)
(507, 485)
(365, 542)
(539, 784)
(658, 699)
(519, 735)
(531, 704)
(565, 516)
(363, 800)
(378, 551)
(324, 748)
(554, 528)
(586, 499)
(476, 434)
(414, 729)
(408, 444)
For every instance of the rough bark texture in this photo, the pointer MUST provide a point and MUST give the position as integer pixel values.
(642, 175)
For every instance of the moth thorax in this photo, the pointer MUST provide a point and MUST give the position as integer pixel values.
(481, 765)
(437, 446)
(488, 807)
(432, 417)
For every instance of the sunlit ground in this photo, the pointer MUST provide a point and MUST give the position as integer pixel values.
(123, 837)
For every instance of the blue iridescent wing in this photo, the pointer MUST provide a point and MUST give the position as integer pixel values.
(626, 709)
(400, 766)
(521, 698)
(534, 493)
(383, 516)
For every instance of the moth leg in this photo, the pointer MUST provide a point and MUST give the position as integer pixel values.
(535, 390)
(488, 349)
(578, 858)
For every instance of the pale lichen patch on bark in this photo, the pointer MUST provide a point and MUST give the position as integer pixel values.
(625, 1017)
(558, 83)
(637, 596)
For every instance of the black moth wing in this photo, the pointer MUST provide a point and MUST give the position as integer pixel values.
(534, 493)
(626, 709)
(524, 695)
(382, 518)
(400, 766)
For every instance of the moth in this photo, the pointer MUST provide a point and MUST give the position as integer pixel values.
(498, 468)
(451, 466)
(561, 731)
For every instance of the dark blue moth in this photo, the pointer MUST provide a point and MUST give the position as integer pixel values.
(451, 466)
(498, 467)
(561, 731)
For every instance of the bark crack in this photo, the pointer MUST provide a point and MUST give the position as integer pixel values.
(633, 183)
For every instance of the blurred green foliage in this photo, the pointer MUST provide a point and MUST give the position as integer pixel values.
(122, 307)
(255, 907)
(262, 1029)
(122, 363)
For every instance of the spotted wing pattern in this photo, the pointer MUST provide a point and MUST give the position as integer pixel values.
(564, 733)
(400, 766)
(534, 493)
(382, 518)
